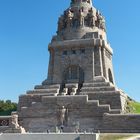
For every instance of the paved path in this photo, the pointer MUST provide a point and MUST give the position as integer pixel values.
(134, 138)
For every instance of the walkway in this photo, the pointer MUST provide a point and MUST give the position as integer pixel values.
(134, 138)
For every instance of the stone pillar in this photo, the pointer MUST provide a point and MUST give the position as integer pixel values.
(89, 66)
(51, 65)
(98, 61)
(104, 62)
(57, 67)
(93, 53)
(100, 58)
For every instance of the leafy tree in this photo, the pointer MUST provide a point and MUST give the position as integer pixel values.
(6, 107)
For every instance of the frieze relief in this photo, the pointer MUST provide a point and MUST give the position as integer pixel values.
(73, 19)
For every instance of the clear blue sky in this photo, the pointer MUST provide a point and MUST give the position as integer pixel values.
(26, 28)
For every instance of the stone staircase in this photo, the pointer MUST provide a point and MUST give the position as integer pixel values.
(103, 91)
(100, 85)
(47, 90)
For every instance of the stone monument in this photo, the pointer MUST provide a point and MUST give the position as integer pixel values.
(14, 127)
(80, 88)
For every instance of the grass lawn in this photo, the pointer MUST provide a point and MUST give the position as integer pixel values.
(134, 107)
(114, 136)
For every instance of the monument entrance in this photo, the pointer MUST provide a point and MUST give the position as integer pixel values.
(74, 74)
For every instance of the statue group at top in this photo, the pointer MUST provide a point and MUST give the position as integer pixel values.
(79, 15)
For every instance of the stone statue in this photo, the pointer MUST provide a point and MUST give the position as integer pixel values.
(81, 17)
(91, 18)
(60, 23)
(14, 121)
(103, 24)
(62, 115)
(69, 17)
(100, 21)
(14, 127)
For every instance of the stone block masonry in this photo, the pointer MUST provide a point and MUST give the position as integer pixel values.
(49, 136)
(79, 93)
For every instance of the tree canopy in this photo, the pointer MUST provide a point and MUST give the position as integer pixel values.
(6, 107)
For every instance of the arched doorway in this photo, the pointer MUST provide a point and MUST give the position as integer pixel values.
(110, 76)
(74, 74)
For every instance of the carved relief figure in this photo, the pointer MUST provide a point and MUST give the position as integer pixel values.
(81, 17)
(60, 23)
(62, 115)
(102, 26)
(91, 18)
(100, 21)
(69, 17)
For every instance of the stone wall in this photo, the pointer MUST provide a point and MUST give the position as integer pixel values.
(40, 116)
(27, 100)
(128, 123)
(4, 123)
(93, 61)
(113, 99)
(49, 137)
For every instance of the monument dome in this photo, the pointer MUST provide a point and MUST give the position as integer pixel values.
(79, 20)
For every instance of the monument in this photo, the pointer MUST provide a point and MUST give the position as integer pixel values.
(9, 124)
(80, 93)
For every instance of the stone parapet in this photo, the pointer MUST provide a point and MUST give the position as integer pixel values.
(52, 136)
(106, 92)
(80, 43)
(127, 123)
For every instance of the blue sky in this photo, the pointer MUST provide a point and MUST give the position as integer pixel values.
(26, 28)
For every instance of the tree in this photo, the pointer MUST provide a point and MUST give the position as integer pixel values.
(6, 107)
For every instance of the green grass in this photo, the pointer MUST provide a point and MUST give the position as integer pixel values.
(134, 107)
(114, 136)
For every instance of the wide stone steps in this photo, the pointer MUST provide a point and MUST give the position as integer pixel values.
(97, 84)
(94, 89)
(115, 111)
(44, 91)
(54, 86)
(104, 107)
(99, 79)
(100, 92)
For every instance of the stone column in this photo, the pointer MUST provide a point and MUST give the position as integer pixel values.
(104, 62)
(98, 61)
(89, 65)
(93, 53)
(51, 65)
(100, 58)
(57, 67)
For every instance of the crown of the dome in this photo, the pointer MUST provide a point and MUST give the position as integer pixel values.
(76, 2)
(78, 20)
